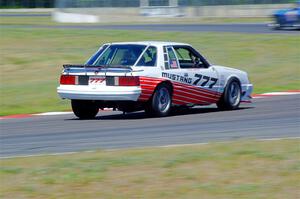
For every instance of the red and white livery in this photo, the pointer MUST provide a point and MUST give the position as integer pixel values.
(150, 76)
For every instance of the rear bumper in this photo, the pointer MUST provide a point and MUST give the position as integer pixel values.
(108, 93)
(246, 92)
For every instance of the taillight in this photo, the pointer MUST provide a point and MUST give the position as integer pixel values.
(68, 79)
(129, 81)
(123, 81)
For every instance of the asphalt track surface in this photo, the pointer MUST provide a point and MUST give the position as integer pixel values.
(254, 28)
(272, 117)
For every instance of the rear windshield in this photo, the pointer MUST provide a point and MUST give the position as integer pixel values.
(116, 55)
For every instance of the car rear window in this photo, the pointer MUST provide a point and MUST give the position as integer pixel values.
(120, 54)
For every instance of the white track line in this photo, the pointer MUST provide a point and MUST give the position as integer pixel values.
(64, 113)
(182, 145)
(53, 113)
(281, 93)
(274, 139)
(163, 146)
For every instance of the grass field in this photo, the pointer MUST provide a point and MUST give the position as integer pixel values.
(31, 60)
(246, 169)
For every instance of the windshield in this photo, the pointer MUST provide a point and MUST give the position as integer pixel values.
(116, 55)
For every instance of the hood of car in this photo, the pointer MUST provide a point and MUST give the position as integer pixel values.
(225, 69)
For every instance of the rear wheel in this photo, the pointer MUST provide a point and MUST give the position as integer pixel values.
(84, 109)
(231, 97)
(161, 101)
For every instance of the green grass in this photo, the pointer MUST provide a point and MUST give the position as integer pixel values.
(31, 60)
(244, 169)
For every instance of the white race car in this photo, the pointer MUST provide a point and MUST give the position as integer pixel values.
(151, 76)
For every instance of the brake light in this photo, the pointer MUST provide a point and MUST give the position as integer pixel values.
(68, 79)
(123, 81)
(129, 81)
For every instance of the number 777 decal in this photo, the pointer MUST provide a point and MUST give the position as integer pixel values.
(207, 80)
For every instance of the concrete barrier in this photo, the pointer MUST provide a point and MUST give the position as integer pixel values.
(64, 17)
(263, 10)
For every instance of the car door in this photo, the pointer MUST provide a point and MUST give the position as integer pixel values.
(195, 80)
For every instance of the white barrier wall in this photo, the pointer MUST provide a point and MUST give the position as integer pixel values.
(64, 17)
(264, 10)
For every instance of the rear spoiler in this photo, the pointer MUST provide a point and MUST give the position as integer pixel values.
(75, 68)
(69, 66)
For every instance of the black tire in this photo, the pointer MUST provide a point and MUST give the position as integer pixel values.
(231, 98)
(84, 109)
(161, 102)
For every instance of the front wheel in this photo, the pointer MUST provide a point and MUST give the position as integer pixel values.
(84, 109)
(231, 97)
(161, 101)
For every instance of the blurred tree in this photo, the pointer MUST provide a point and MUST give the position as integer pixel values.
(27, 3)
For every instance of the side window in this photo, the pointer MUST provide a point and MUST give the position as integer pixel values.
(149, 57)
(187, 58)
(183, 54)
(170, 58)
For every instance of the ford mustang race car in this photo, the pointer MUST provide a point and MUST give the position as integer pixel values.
(150, 76)
(287, 18)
